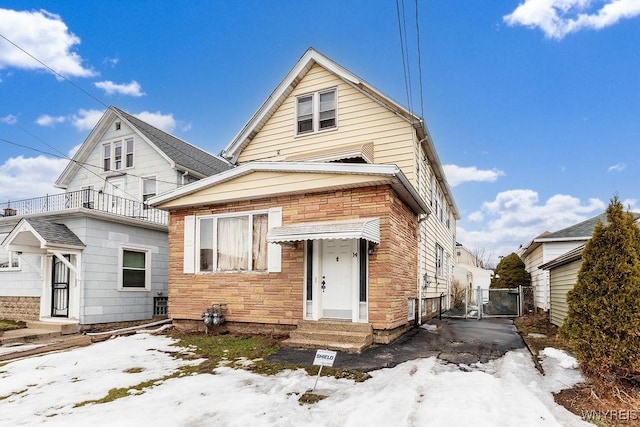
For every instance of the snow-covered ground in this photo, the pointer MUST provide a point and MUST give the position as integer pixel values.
(505, 392)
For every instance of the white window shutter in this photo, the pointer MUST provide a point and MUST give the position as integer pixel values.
(274, 249)
(189, 244)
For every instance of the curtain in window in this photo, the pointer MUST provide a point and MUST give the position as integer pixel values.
(259, 250)
(233, 243)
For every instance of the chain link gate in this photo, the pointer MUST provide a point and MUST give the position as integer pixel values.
(478, 303)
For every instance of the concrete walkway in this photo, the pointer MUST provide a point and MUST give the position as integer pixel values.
(456, 341)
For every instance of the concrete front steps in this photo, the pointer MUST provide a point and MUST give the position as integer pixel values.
(37, 330)
(332, 335)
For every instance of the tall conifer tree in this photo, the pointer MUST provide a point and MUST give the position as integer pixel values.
(603, 322)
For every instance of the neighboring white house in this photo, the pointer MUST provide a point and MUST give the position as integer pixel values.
(549, 246)
(97, 253)
(469, 271)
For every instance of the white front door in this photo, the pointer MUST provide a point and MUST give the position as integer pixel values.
(337, 285)
(115, 190)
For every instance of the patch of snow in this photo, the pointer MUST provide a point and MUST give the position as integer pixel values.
(9, 348)
(536, 335)
(430, 328)
(43, 391)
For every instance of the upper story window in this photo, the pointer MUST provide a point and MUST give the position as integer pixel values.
(316, 112)
(113, 155)
(149, 189)
(233, 243)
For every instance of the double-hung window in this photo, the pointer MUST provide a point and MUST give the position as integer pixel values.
(149, 189)
(135, 272)
(117, 155)
(316, 111)
(129, 153)
(233, 242)
(106, 157)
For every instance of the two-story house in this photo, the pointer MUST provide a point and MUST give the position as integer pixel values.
(337, 215)
(97, 253)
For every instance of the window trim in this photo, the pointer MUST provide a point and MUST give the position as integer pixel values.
(147, 268)
(11, 268)
(315, 112)
(215, 218)
(110, 156)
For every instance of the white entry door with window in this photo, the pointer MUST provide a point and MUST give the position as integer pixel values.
(338, 275)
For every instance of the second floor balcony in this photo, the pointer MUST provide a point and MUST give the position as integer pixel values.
(86, 199)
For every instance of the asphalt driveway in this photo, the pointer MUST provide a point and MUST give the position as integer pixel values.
(456, 341)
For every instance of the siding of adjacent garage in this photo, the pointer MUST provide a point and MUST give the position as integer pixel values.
(563, 279)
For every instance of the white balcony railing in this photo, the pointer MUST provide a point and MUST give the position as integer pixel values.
(88, 199)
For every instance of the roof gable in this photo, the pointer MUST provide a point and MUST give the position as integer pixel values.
(178, 153)
(310, 58)
(43, 235)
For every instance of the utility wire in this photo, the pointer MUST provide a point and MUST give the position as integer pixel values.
(419, 62)
(405, 54)
(55, 72)
(80, 89)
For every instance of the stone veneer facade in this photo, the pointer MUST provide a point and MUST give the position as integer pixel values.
(20, 308)
(272, 299)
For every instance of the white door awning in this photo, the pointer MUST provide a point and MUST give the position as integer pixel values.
(361, 228)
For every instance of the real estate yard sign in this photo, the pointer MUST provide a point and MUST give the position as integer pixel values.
(323, 358)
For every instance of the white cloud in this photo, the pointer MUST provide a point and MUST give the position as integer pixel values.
(130, 89)
(112, 62)
(617, 168)
(47, 120)
(515, 217)
(86, 119)
(45, 36)
(166, 122)
(9, 120)
(557, 18)
(29, 177)
(457, 174)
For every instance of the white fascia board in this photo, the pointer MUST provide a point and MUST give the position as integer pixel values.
(301, 167)
(85, 149)
(562, 239)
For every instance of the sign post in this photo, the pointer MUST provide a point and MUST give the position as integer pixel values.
(323, 358)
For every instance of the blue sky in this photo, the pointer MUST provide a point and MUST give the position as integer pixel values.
(533, 105)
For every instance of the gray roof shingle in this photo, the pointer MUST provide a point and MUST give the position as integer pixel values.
(53, 233)
(181, 152)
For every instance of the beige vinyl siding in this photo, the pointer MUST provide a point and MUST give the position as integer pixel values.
(432, 232)
(563, 279)
(360, 119)
(262, 184)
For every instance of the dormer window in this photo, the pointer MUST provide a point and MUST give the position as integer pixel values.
(316, 112)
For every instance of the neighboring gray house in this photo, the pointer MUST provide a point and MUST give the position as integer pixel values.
(549, 246)
(97, 253)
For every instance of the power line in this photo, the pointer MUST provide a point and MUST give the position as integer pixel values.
(55, 72)
(419, 62)
(83, 165)
(80, 89)
(405, 55)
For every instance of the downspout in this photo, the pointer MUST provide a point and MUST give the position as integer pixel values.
(421, 218)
